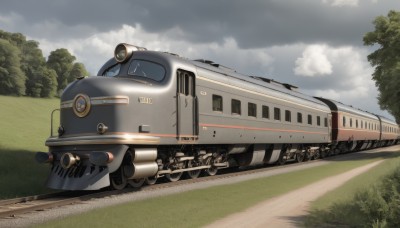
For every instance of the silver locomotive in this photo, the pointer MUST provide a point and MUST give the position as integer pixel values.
(151, 114)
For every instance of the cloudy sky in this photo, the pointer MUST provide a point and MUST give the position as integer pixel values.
(314, 44)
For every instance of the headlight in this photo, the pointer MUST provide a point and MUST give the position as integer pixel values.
(81, 105)
(124, 51)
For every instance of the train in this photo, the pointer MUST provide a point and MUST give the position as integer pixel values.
(150, 115)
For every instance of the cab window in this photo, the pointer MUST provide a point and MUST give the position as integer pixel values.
(146, 69)
(112, 71)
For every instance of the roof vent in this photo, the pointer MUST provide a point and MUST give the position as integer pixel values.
(209, 62)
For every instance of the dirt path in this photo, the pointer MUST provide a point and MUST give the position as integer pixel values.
(283, 210)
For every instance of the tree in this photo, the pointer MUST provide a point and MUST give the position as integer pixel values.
(49, 83)
(12, 79)
(386, 60)
(78, 70)
(32, 63)
(61, 61)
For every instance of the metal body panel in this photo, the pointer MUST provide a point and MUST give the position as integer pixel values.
(223, 127)
(276, 152)
(258, 155)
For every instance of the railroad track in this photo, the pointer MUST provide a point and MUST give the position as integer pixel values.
(13, 207)
(22, 205)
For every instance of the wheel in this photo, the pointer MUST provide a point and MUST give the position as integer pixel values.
(194, 173)
(316, 155)
(307, 156)
(323, 154)
(212, 170)
(136, 183)
(118, 180)
(172, 177)
(300, 157)
(150, 180)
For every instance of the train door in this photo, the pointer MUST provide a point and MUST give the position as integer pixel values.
(187, 114)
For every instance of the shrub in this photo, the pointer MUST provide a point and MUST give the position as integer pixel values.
(377, 206)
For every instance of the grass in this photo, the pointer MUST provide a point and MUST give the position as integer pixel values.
(201, 207)
(334, 205)
(348, 190)
(25, 126)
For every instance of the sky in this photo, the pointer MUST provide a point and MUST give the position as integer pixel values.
(313, 44)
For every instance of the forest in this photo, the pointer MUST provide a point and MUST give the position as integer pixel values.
(24, 71)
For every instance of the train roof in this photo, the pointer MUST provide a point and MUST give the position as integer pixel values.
(388, 121)
(282, 90)
(340, 107)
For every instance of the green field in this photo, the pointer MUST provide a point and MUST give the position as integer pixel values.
(25, 126)
(201, 207)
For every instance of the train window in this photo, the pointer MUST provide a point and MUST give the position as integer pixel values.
(351, 122)
(185, 83)
(265, 112)
(252, 109)
(326, 122)
(217, 103)
(299, 117)
(112, 71)
(277, 114)
(344, 121)
(356, 123)
(146, 69)
(318, 120)
(288, 116)
(309, 117)
(362, 125)
(236, 107)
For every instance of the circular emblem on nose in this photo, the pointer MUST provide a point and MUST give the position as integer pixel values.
(81, 105)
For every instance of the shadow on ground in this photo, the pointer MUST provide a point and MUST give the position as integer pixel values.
(20, 175)
(385, 152)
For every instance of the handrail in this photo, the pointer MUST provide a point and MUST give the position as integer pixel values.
(51, 122)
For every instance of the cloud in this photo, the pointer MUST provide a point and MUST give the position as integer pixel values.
(341, 3)
(313, 62)
(350, 81)
(10, 20)
(316, 45)
(258, 24)
(96, 49)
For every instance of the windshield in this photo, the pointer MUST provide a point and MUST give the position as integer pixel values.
(112, 71)
(146, 69)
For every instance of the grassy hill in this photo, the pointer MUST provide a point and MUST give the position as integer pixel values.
(24, 127)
